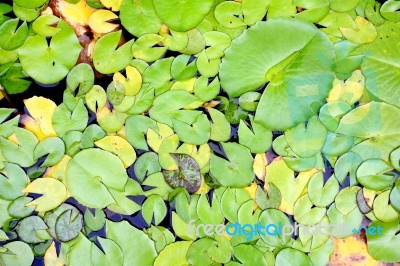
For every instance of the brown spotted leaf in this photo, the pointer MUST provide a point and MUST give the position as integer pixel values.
(187, 175)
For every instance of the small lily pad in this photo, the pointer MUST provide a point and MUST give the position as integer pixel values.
(188, 174)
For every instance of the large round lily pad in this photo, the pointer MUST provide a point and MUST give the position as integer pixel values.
(294, 57)
(91, 173)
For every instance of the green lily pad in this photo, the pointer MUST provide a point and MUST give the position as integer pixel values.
(108, 57)
(231, 201)
(380, 66)
(289, 256)
(390, 10)
(131, 241)
(220, 127)
(384, 247)
(258, 142)
(139, 17)
(15, 79)
(237, 172)
(182, 15)
(89, 175)
(322, 194)
(173, 254)
(306, 213)
(307, 140)
(154, 208)
(263, 64)
(68, 225)
(64, 120)
(29, 228)
(373, 174)
(229, 14)
(38, 58)
(268, 199)
(146, 165)
(22, 152)
(94, 221)
(17, 253)
(12, 181)
(44, 25)
(18, 209)
(53, 147)
(382, 208)
(11, 37)
(81, 77)
(249, 255)
(371, 120)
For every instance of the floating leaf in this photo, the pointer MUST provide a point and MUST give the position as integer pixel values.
(131, 240)
(371, 120)
(94, 221)
(139, 17)
(306, 213)
(81, 76)
(291, 188)
(146, 164)
(187, 175)
(64, 120)
(12, 181)
(40, 111)
(20, 150)
(38, 58)
(380, 66)
(384, 246)
(173, 254)
(268, 199)
(54, 193)
(44, 25)
(364, 32)
(322, 193)
(238, 171)
(11, 37)
(182, 15)
(17, 253)
(68, 225)
(119, 147)
(107, 58)
(154, 208)
(133, 81)
(144, 47)
(258, 140)
(90, 174)
(289, 256)
(53, 147)
(14, 80)
(18, 209)
(372, 174)
(389, 11)
(286, 82)
(29, 229)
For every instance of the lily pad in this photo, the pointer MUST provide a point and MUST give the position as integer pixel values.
(38, 58)
(188, 174)
(182, 15)
(380, 66)
(108, 57)
(237, 171)
(289, 72)
(89, 175)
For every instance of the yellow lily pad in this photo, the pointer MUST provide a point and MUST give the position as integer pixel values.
(120, 147)
(99, 21)
(54, 194)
